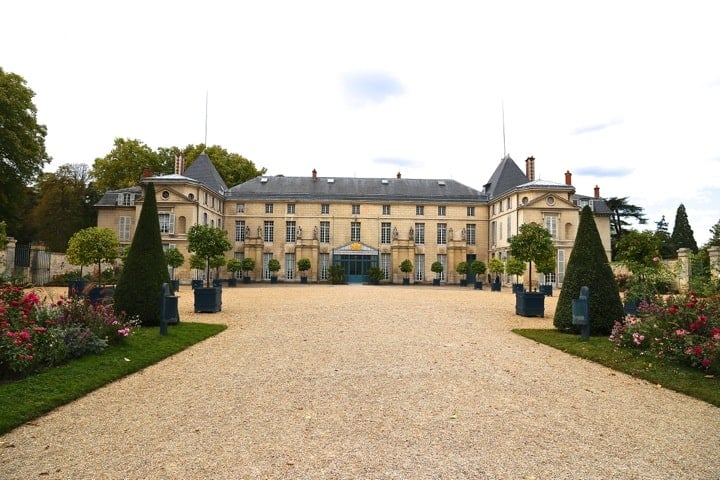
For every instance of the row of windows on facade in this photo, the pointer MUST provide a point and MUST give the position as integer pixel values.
(496, 231)
(355, 209)
(128, 199)
(292, 232)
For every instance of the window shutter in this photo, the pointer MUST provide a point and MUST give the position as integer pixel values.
(171, 223)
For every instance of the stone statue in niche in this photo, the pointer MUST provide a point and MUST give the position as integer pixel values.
(299, 232)
(450, 233)
(462, 233)
(259, 231)
(247, 231)
(395, 233)
(315, 234)
(411, 234)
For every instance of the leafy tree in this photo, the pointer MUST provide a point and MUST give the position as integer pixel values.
(462, 269)
(667, 250)
(682, 235)
(139, 288)
(93, 245)
(274, 266)
(436, 268)
(232, 167)
(208, 242)
(174, 258)
(639, 248)
(234, 265)
(533, 243)
(588, 266)
(303, 265)
(715, 236)
(64, 204)
(496, 267)
(22, 146)
(248, 265)
(124, 165)
(3, 234)
(516, 267)
(478, 267)
(621, 210)
(406, 267)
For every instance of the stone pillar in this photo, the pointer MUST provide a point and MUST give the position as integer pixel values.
(683, 278)
(714, 253)
(7, 257)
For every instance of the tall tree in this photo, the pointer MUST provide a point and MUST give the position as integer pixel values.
(682, 234)
(22, 146)
(715, 236)
(64, 205)
(661, 231)
(232, 167)
(621, 211)
(139, 288)
(588, 266)
(532, 244)
(125, 163)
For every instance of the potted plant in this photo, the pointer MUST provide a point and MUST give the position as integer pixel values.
(478, 268)
(92, 245)
(337, 274)
(546, 267)
(496, 267)
(303, 265)
(234, 265)
(197, 263)
(216, 262)
(375, 274)
(208, 243)
(248, 265)
(437, 269)
(174, 258)
(406, 267)
(516, 267)
(462, 269)
(533, 243)
(274, 266)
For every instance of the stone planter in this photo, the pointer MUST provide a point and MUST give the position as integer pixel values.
(530, 304)
(208, 300)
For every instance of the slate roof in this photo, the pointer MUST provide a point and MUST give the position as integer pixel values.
(109, 199)
(506, 177)
(204, 172)
(599, 205)
(359, 189)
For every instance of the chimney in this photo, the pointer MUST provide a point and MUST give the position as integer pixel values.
(568, 178)
(398, 175)
(314, 174)
(179, 163)
(530, 168)
(147, 172)
(597, 191)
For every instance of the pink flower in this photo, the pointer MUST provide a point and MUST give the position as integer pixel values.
(680, 332)
(705, 363)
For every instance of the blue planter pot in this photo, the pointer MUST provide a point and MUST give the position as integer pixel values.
(530, 304)
(208, 300)
(478, 285)
(495, 287)
(436, 281)
(76, 287)
(517, 287)
(546, 290)
(196, 284)
(406, 281)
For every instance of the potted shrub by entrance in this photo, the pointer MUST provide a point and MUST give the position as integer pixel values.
(375, 274)
(437, 269)
(234, 265)
(197, 263)
(303, 265)
(532, 244)
(478, 269)
(174, 258)
(248, 265)
(208, 242)
(516, 267)
(274, 267)
(496, 267)
(462, 269)
(406, 267)
(546, 267)
(216, 262)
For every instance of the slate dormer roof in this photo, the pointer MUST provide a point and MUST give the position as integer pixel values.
(355, 189)
(506, 177)
(205, 172)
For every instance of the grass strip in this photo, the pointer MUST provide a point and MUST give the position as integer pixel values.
(682, 379)
(24, 400)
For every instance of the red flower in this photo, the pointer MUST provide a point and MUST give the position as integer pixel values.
(698, 350)
(705, 363)
(673, 310)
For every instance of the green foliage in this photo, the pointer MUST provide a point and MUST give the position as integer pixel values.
(620, 211)
(234, 265)
(303, 264)
(232, 167)
(93, 245)
(125, 163)
(3, 234)
(462, 268)
(337, 273)
(22, 146)
(174, 258)
(638, 249)
(682, 235)
(406, 267)
(478, 267)
(533, 243)
(715, 236)
(273, 265)
(588, 266)
(496, 266)
(515, 266)
(208, 242)
(640, 253)
(437, 268)
(667, 249)
(248, 265)
(375, 274)
(145, 271)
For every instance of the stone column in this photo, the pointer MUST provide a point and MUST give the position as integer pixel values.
(714, 253)
(683, 278)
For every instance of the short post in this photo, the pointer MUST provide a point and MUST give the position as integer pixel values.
(581, 312)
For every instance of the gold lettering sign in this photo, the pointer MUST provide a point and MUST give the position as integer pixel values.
(355, 246)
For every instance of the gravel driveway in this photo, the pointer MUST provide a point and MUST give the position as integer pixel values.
(370, 382)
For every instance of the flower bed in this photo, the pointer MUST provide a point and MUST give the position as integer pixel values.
(683, 328)
(35, 335)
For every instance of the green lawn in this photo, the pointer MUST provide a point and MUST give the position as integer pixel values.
(689, 381)
(26, 399)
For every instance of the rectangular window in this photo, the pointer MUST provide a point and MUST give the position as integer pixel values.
(443, 260)
(239, 256)
(325, 208)
(289, 266)
(290, 208)
(324, 265)
(386, 265)
(419, 210)
(269, 232)
(356, 209)
(324, 232)
(265, 269)
(551, 225)
(385, 233)
(167, 222)
(290, 232)
(442, 233)
(420, 233)
(493, 233)
(470, 233)
(560, 267)
(354, 231)
(441, 210)
(386, 210)
(509, 227)
(500, 207)
(124, 228)
(509, 203)
(419, 268)
(268, 208)
(240, 208)
(239, 230)
(470, 211)
(126, 199)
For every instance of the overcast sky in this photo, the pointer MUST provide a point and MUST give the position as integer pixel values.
(623, 94)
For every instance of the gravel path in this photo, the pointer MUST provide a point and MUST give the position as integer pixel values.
(370, 382)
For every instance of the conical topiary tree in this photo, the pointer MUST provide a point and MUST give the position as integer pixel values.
(139, 288)
(588, 266)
